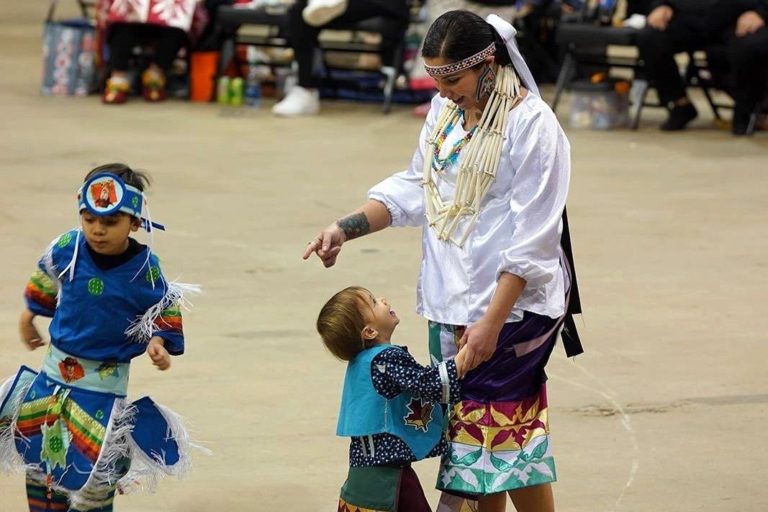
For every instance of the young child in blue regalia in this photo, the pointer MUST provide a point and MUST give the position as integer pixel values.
(390, 405)
(70, 425)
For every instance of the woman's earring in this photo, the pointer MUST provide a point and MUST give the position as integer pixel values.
(485, 83)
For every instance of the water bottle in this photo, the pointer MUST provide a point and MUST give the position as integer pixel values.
(222, 91)
(236, 91)
(253, 88)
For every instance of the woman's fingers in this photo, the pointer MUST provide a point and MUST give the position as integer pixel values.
(312, 246)
(325, 246)
(329, 257)
(463, 339)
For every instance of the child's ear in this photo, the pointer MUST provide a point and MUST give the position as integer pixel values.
(369, 333)
(135, 224)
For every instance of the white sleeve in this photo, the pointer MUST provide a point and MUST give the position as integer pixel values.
(542, 157)
(403, 193)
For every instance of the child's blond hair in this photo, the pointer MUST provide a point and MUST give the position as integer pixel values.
(341, 322)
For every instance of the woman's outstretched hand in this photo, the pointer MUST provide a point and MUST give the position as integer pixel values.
(327, 245)
(479, 341)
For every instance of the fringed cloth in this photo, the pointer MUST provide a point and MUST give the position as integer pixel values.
(77, 438)
(382, 489)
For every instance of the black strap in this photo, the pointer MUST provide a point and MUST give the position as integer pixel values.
(569, 334)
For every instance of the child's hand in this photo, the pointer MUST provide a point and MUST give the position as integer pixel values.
(158, 354)
(461, 362)
(29, 334)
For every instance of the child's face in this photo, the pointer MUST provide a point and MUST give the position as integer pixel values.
(379, 316)
(108, 234)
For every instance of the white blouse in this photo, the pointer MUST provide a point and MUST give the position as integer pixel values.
(518, 229)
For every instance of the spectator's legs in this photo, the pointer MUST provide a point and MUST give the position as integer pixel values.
(747, 56)
(658, 49)
(304, 99)
(122, 38)
(167, 43)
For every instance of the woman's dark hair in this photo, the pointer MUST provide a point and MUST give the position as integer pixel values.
(457, 35)
(138, 179)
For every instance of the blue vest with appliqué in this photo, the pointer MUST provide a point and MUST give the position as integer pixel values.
(364, 412)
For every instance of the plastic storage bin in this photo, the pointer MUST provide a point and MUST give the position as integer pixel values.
(600, 106)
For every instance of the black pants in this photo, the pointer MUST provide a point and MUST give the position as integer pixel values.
(123, 37)
(685, 33)
(304, 40)
(747, 58)
(748, 64)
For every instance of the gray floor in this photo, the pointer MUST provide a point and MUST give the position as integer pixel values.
(665, 412)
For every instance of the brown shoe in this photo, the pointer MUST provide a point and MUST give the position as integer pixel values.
(115, 92)
(153, 86)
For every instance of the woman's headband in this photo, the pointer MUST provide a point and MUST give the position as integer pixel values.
(107, 194)
(463, 64)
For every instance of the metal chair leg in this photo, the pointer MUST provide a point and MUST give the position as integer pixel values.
(752, 123)
(564, 78)
(711, 101)
(390, 75)
(637, 94)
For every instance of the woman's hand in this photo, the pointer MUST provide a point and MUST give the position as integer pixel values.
(461, 363)
(29, 334)
(749, 23)
(659, 17)
(158, 354)
(479, 341)
(326, 245)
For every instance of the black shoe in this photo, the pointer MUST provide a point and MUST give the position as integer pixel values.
(742, 119)
(679, 117)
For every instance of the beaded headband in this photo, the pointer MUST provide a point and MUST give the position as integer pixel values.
(461, 65)
(107, 194)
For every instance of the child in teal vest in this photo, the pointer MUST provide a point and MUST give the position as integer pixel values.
(390, 407)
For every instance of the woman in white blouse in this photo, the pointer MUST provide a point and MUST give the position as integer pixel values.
(488, 184)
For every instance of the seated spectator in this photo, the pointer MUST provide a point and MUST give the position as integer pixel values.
(305, 21)
(167, 27)
(742, 25)
(675, 26)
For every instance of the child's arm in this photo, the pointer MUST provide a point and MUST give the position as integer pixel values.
(40, 298)
(29, 334)
(158, 354)
(395, 371)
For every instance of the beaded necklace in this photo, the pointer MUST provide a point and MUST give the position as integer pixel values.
(477, 169)
(440, 164)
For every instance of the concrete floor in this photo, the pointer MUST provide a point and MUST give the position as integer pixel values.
(665, 411)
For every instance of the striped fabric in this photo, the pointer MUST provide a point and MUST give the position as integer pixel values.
(170, 319)
(87, 432)
(41, 290)
(40, 500)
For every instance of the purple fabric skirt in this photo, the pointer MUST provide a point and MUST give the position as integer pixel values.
(516, 369)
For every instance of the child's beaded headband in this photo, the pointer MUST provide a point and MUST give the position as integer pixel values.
(107, 194)
(461, 65)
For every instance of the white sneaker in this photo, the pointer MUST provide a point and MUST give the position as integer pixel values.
(298, 102)
(320, 12)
